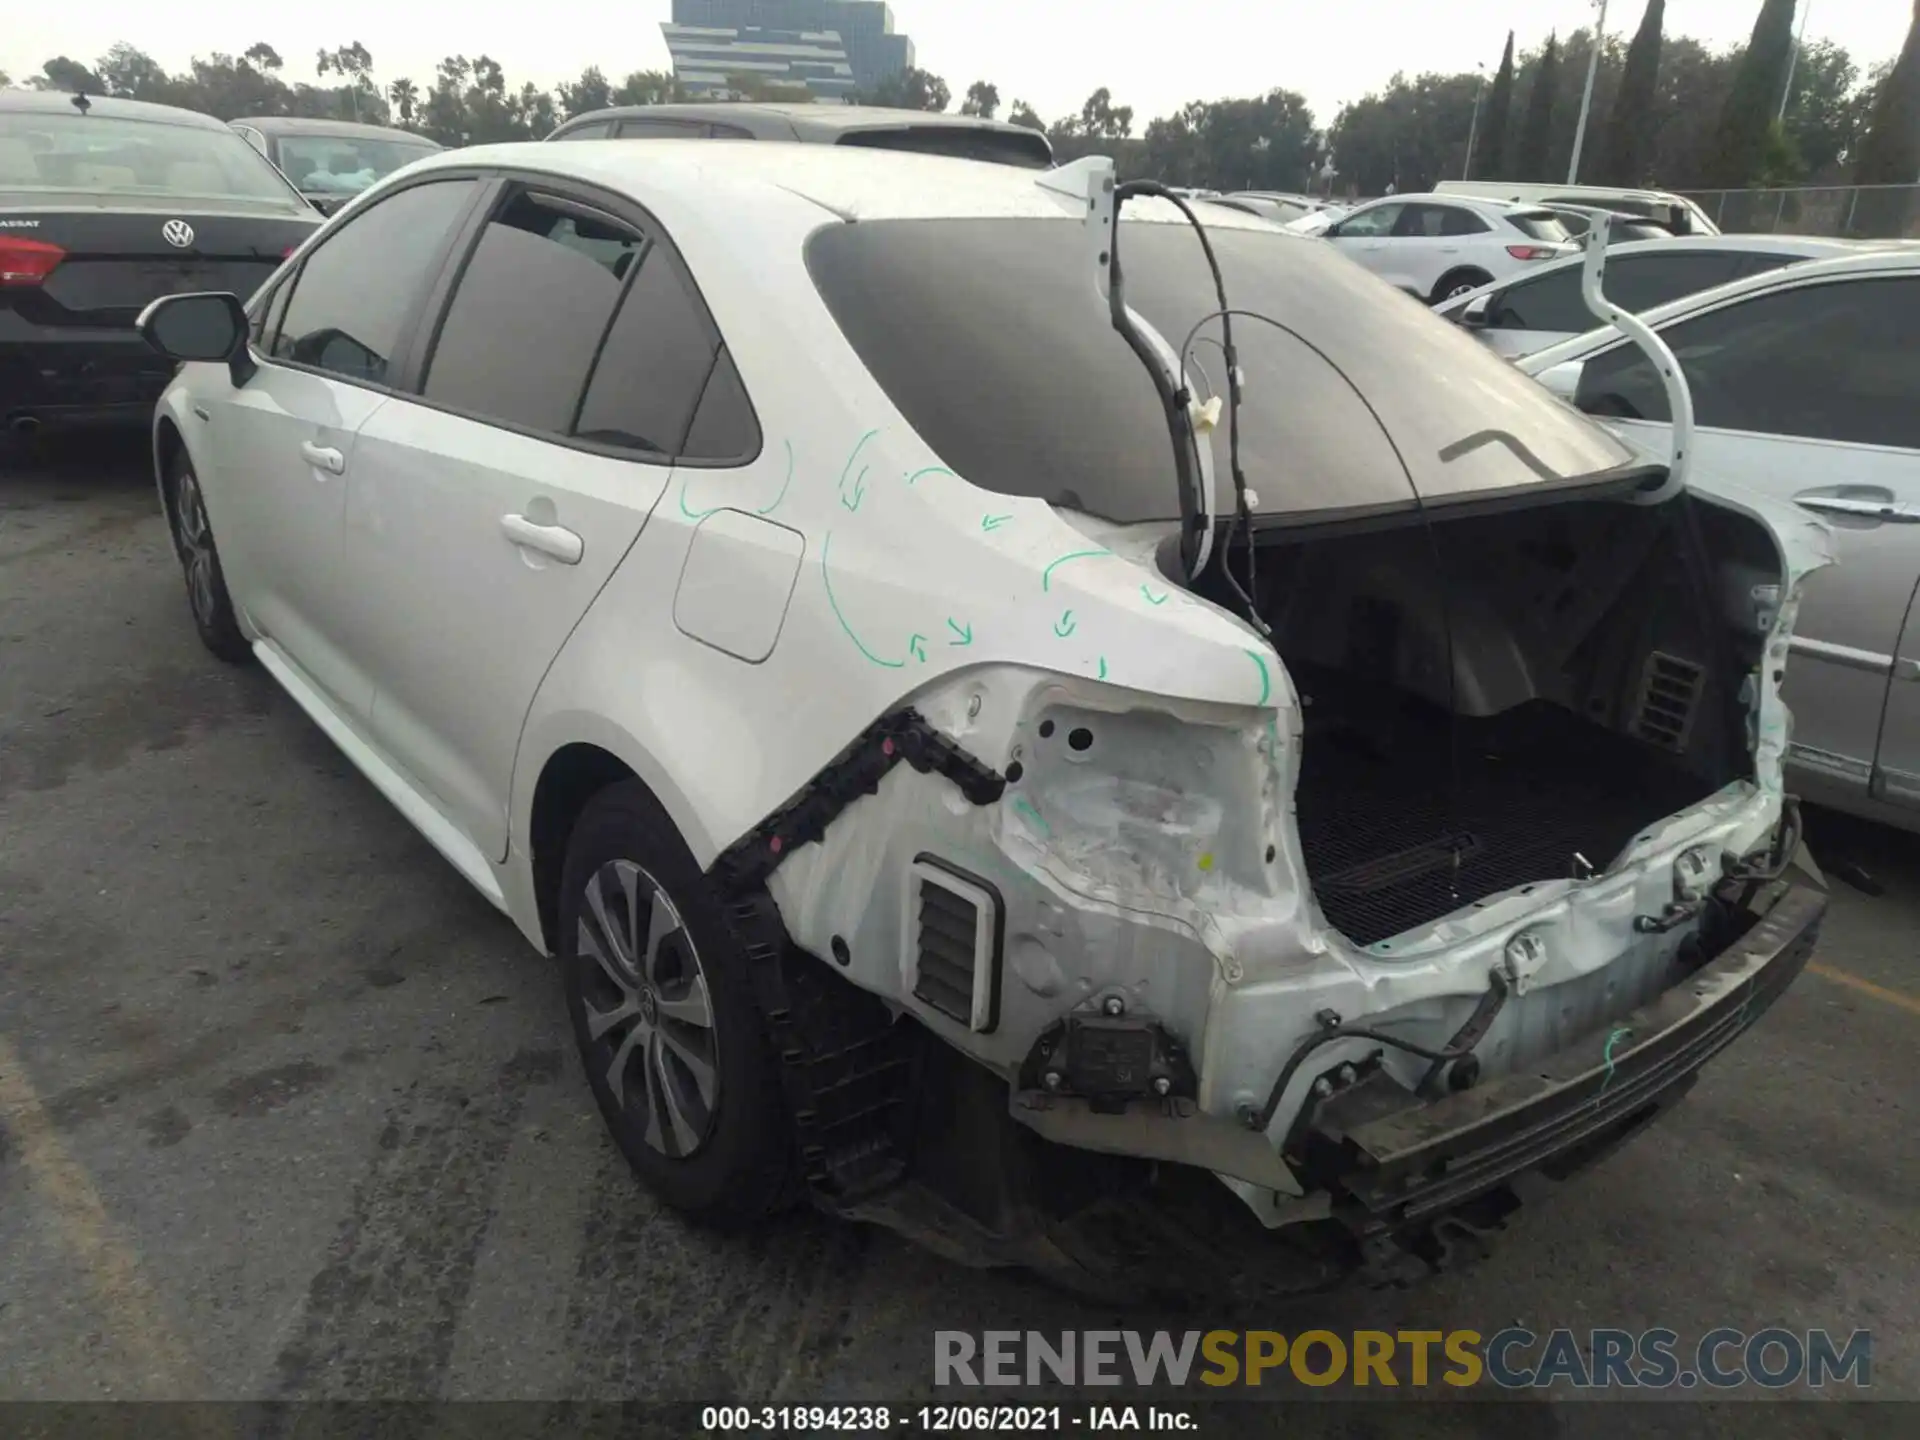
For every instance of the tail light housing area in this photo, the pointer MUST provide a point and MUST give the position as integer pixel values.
(25, 262)
(1532, 252)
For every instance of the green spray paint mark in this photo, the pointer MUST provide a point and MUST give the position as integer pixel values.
(914, 478)
(1025, 807)
(687, 484)
(1103, 667)
(963, 633)
(1153, 599)
(1046, 575)
(860, 480)
(917, 647)
(1620, 1033)
(993, 522)
(1065, 625)
(827, 579)
(1266, 680)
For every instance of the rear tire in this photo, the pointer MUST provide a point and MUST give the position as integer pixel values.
(207, 597)
(1458, 282)
(669, 1034)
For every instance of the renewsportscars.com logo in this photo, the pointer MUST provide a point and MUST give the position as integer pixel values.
(1512, 1359)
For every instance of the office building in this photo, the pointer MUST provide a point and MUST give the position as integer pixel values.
(833, 47)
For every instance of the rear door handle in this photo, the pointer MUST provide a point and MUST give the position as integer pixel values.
(323, 457)
(1864, 508)
(555, 540)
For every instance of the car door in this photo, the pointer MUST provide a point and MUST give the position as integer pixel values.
(283, 443)
(1896, 777)
(1809, 393)
(487, 510)
(1363, 235)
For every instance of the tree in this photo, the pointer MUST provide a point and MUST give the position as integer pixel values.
(1890, 152)
(354, 65)
(405, 96)
(5, 80)
(445, 113)
(982, 100)
(1740, 140)
(1409, 135)
(1535, 153)
(648, 87)
(1692, 86)
(1498, 116)
(261, 56)
(133, 74)
(60, 73)
(1821, 121)
(1627, 149)
(1268, 142)
(1102, 120)
(590, 92)
(911, 89)
(533, 116)
(1024, 114)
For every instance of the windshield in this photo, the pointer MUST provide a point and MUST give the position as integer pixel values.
(1542, 225)
(344, 164)
(97, 155)
(989, 338)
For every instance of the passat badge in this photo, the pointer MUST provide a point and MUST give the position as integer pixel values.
(178, 233)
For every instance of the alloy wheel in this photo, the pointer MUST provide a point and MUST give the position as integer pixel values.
(649, 1018)
(196, 546)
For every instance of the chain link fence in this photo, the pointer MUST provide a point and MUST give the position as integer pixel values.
(1863, 211)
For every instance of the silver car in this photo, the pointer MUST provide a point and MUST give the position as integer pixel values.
(1543, 307)
(1805, 388)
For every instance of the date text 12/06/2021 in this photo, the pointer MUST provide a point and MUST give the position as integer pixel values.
(945, 1419)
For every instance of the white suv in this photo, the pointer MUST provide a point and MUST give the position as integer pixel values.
(1439, 246)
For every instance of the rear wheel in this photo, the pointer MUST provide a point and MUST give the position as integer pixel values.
(669, 1034)
(207, 594)
(1457, 283)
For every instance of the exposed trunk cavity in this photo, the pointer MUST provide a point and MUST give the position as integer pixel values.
(1505, 699)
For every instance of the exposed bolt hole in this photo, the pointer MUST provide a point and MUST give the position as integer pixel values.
(1080, 738)
(1014, 772)
(1046, 728)
(1271, 852)
(841, 953)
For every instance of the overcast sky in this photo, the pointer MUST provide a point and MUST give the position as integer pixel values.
(1154, 54)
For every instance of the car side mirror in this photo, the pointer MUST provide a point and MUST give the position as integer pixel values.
(208, 326)
(1476, 311)
(1563, 379)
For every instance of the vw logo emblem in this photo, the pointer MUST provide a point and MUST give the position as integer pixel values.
(177, 233)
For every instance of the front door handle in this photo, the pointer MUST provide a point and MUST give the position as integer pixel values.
(555, 540)
(323, 457)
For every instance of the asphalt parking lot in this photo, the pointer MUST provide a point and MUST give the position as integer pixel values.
(287, 1112)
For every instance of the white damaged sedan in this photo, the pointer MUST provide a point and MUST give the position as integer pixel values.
(974, 769)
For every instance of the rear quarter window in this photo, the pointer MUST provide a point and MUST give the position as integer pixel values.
(1541, 225)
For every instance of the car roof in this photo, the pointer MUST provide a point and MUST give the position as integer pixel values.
(61, 102)
(801, 118)
(1814, 247)
(1450, 197)
(854, 182)
(1863, 258)
(302, 125)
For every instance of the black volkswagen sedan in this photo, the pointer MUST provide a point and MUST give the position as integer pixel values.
(105, 205)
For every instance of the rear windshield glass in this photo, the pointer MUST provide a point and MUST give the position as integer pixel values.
(1539, 225)
(344, 164)
(98, 155)
(1027, 148)
(989, 337)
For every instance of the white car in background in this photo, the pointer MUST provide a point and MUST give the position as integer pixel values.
(1440, 246)
(1543, 307)
(1806, 389)
(1679, 214)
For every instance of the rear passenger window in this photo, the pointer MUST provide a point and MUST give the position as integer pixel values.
(598, 130)
(355, 295)
(529, 313)
(654, 364)
(724, 428)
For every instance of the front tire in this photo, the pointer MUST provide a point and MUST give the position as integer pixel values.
(207, 596)
(669, 1034)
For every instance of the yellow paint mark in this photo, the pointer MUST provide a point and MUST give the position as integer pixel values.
(1206, 862)
(127, 1306)
(1866, 987)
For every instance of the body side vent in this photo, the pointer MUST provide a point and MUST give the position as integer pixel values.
(1670, 691)
(955, 925)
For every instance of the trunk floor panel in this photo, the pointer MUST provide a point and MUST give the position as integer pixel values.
(1390, 845)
